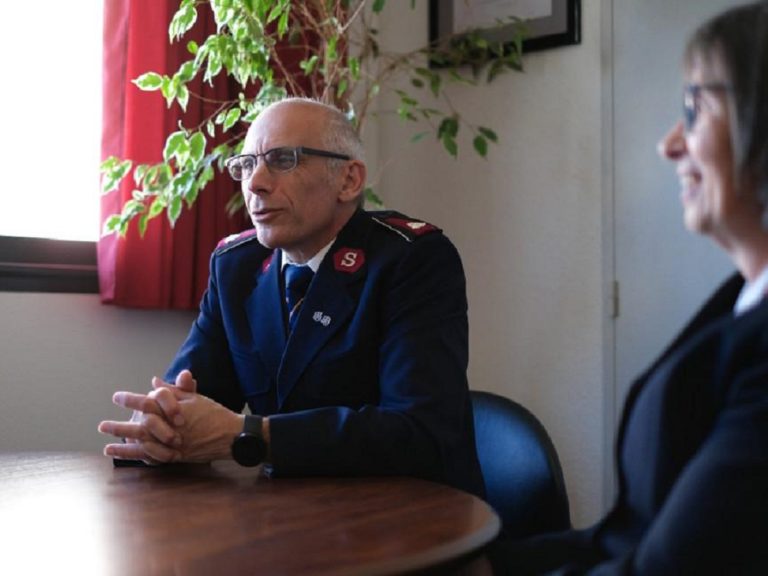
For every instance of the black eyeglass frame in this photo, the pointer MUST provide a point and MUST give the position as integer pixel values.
(296, 150)
(691, 95)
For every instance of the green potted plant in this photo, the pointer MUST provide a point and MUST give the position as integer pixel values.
(339, 61)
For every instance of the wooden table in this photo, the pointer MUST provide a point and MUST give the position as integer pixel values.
(71, 513)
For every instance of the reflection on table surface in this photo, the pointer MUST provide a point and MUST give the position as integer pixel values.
(75, 513)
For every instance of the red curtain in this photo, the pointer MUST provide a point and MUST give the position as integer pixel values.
(167, 268)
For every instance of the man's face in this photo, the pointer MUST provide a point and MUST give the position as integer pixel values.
(301, 210)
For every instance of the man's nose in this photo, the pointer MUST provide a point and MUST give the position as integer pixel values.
(260, 178)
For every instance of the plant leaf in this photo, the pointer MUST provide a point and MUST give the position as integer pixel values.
(139, 173)
(371, 196)
(308, 65)
(450, 146)
(449, 127)
(149, 81)
(331, 54)
(182, 97)
(481, 145)
(231, 118)
(157, 206)
(114, 174)
(174, 210)
(186, 71)
(488, 133)
(341, 88)
(111, 225)
(282, 24)
(435, 82)
(183, 20)
(143, 221)
(354, 67)
(172, 144)
(197, 146)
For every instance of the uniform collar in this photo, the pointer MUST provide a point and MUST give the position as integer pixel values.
(314, 262)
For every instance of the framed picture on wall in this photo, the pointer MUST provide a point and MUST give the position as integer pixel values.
(548, 23)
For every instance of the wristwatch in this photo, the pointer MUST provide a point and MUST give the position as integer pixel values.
(249, 447)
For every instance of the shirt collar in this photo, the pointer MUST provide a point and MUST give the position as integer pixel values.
(752, 293)
(314, 262)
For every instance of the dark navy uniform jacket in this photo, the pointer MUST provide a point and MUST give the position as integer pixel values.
(372, 380)
(693, 462)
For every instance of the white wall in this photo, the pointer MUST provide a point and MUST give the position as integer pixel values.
(62, 356)
(528, 224)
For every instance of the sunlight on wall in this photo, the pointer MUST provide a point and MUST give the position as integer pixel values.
(51, 62)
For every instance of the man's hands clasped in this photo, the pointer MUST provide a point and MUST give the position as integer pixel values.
(172, 423)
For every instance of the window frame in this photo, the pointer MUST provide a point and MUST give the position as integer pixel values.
(29, 264)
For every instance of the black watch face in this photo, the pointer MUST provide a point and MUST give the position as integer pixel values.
(248, 450)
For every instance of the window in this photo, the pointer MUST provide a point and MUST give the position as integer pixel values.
(49, 206)
(44, 265)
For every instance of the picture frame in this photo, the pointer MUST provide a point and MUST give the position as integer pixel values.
(549, 23)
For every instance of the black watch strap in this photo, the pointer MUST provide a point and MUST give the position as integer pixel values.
(252, 425)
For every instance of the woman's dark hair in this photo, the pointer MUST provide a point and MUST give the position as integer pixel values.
(738, 38)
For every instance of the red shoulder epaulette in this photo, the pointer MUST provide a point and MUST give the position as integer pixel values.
(407, 227)
(234, 240)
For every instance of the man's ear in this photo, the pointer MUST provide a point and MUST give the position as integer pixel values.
(353, 181)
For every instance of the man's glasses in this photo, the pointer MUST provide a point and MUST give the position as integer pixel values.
(285, 159)
(692, 98)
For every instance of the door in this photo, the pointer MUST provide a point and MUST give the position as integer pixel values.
(663, 272)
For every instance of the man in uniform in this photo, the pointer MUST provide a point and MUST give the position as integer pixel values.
(344, 331)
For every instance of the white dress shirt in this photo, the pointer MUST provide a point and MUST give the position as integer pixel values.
(752, 293)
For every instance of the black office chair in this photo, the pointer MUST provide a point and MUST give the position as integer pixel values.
(523, 478)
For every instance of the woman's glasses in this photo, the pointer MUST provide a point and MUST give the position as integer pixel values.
(692, 100)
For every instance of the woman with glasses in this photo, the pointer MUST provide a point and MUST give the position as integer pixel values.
(693, 441)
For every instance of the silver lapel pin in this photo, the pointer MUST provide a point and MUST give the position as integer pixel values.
(321, 318)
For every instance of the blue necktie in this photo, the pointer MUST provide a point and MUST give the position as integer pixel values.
(297, 280)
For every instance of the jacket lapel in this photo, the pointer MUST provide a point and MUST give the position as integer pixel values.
(328, 306)
(326, 309)
(265, 313)
(719, 305)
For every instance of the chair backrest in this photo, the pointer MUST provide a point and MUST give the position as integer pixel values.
(523, 478)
